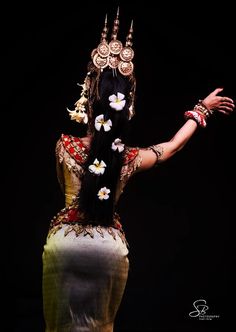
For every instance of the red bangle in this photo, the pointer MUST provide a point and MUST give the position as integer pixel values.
(196, 116)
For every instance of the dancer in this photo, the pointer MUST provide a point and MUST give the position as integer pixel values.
(85, 258)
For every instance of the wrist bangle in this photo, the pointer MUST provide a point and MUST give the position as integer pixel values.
(201, 106)
(197, 116)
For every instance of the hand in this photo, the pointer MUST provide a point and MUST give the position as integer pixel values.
(218, 103)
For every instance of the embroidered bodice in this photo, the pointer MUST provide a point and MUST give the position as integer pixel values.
(71, 155)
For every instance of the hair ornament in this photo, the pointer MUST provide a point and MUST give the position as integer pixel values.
(117, 145)
(97, 167)
(100, 122)
(79, 114)
(117, 102)
(103, 193)
(113, 53)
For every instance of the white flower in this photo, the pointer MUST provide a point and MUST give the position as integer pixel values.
(103, 193)
(99, 122)
(117, 145)
(117, 102)
(79, 115)
(97, 167)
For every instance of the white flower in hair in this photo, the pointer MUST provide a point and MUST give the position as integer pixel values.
(79, 115)
(103, 193)
(117, 101)
(97, 167)
(117, 145)
(99, 122)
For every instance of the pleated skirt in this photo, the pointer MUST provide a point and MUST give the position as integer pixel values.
(84, 279)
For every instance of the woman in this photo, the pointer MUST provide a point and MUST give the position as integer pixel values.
(85, 263)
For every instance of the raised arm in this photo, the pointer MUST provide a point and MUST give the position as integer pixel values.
(163, 151)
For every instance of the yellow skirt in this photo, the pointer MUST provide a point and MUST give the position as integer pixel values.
(84, 278)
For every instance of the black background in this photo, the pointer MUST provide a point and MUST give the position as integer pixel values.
(178, 217)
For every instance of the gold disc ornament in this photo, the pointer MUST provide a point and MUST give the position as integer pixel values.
(99, 61)
(103, 49)
(115, 46)
(126, 68)
(127, 54)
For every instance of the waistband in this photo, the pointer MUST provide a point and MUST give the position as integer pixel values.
(70, 216)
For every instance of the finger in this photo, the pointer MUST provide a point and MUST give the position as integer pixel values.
(226, 108)
(227, 99)
(223, 111)
(228, 105)
(218, 90)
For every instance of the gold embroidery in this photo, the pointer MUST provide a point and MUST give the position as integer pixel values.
(111, 232)
(158, 150)
(68, 230)
(78, 229)
(88, 230)
(99, 230)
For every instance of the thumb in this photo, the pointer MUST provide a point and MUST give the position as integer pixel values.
(218, 90)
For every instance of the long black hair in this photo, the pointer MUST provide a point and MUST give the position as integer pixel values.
(93, 209)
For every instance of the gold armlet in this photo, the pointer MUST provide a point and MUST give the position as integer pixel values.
(158, 150)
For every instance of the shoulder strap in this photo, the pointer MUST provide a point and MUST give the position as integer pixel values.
(130, 154)
(75, 148)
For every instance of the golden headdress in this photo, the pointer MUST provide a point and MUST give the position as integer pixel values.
(113, 54)
(107, 55)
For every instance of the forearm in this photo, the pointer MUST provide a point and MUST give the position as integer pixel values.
(166, 150)
(182, 136)
(177, 142)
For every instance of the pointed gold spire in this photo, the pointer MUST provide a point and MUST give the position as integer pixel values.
(126, 66)
(129, 37)
(104, 31)
(101, 53)
(116, 25)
